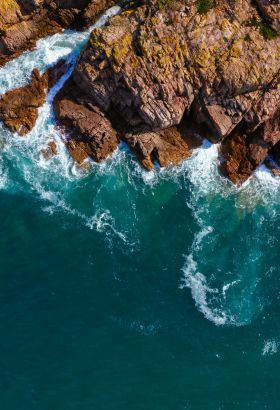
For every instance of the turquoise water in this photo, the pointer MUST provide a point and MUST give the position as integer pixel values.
(122, 289)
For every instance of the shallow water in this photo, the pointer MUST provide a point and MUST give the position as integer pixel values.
(122, 289)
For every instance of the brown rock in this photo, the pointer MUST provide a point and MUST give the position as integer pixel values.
(259, 132)
(272, 166)
(90, 132)
(93, 10)
(23, 22)
(167, 147)
(276, 172)
(156, 62)
(243, 153)
(54, 73)
(19, 107)
(270, 9)
(50, 150)
(152, 67)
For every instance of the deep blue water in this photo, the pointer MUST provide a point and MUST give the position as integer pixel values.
(122, 289)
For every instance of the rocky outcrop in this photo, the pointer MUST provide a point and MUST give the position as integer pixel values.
(166, 147)
(50, 150)
(89, 132)
(23, 22)
(159, 74)
(259, 131)
(243, 153)
(169, 60)
(150, 69)
(19, 107)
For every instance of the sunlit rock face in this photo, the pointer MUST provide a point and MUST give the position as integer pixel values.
(165, 63)
(161, 73)
(22, 22)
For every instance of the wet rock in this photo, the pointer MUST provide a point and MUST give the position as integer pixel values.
(275, 153)
(89, 132)
(276, 172)
(19, 107)
(154, 66)
(244, 152)
(93, 10)
(148, 70)
(50, 150)
(272, 166)
(167, 147)
(259, 132)
(23, 22)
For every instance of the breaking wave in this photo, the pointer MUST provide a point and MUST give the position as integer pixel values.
(224, 265)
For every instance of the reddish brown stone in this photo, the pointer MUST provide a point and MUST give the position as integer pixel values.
(90, 133)
(276, 172)
(23, 22)
(19, 107)
(50, 150)
(243, 153)
(167, 147)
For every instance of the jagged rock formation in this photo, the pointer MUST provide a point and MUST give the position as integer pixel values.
(171, 61)
(50, 150)
(91, 133)
(162, 72)
(166, 147)
(19, 107)
(249, 144)
(23, 22)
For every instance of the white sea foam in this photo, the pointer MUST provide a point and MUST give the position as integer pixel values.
(228, 286)
(196, 281)
(216, 293)
(201, 170)
(210, 298)
(51, 179)
(47, 52)
(48, 178)
(270, 347)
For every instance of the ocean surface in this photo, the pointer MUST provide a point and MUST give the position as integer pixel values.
(122, 289)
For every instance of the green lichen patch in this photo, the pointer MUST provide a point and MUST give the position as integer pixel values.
(162, 3)
(266, 30)
(203, 6)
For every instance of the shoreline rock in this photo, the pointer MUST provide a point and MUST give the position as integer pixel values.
(154, 66)
(88, 132)
(50, 150)
(162, 73)
(19, 107)
(23, 22)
